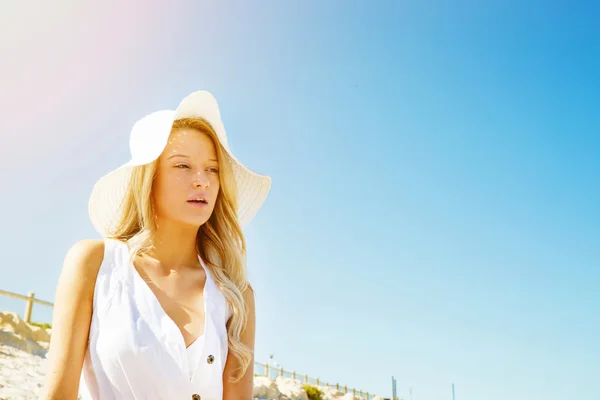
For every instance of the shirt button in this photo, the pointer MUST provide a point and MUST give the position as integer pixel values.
(210, 359)
(195, 397)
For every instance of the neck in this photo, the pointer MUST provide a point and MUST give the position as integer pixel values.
(174, 245)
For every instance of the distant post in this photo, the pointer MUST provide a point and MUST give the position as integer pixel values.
(29, 306)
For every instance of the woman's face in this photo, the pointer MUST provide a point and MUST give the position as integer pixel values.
(187, 172)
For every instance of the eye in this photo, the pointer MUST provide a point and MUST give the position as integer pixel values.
(181, 166)
(215, 170)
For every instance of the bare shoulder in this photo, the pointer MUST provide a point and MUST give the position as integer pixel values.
(87, 251)
(80, 269)
(82, 263)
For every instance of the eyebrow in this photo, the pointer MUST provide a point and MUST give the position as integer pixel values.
(186, 156)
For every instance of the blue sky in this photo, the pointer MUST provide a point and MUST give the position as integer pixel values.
(434, 213)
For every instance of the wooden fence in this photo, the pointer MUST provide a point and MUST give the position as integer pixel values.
(271, 372)
(260, 369)
(29, 301)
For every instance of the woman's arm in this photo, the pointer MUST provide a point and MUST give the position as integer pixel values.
(242, 390)
(71, 320)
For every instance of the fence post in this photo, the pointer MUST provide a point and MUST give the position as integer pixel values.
(306, 378)
(317, 381)
(267, 371)
(337, 387)
(353, 392)
(29, 306)
(367, 396)
(293, 375)
(345, 389)
(280, 371)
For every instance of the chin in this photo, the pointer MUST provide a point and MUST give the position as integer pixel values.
(197, 221)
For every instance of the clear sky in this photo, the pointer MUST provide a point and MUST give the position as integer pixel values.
(435, 208)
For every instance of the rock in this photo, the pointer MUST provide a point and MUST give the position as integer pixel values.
(265, 388)
(39, 334)
(17, 333)
(11, 322)
(290, 389)
(330, 393)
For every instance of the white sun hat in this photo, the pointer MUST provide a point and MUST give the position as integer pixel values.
(147, 141)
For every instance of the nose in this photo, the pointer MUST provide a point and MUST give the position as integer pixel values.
(201, 180)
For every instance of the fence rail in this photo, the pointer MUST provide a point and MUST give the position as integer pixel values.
(29, 301)
(265, 369)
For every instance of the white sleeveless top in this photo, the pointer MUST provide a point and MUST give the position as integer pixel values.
(193, 354)
(136, 351)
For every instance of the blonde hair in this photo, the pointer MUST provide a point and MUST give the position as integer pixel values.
(220, 240)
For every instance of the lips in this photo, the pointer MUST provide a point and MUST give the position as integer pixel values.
(198, 202)
(198, 199)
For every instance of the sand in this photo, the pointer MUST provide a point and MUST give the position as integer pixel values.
(21, 373)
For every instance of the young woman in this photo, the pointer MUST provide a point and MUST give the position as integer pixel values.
(161, 307)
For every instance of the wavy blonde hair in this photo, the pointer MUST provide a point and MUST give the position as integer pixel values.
(220, 241)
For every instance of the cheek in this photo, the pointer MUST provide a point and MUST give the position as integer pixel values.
(215, 189)
(169, 191)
